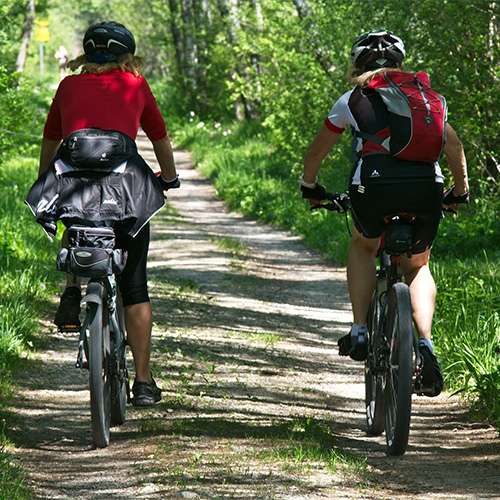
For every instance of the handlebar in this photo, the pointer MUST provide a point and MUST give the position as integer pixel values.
(340, 203)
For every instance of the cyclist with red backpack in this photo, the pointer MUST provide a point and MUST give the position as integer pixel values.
(396, 144)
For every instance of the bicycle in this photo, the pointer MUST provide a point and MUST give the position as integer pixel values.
(393, 365)
(102, 346)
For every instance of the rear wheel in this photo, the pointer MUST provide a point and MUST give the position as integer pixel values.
(99, 372)
(374, 386)
(398, 383)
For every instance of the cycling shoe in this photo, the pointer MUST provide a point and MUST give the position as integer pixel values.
(430, 382)
(145, 394)
(68, 312)
(358, 351)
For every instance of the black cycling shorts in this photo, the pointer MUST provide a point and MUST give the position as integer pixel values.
(133, 281)
(422, 198)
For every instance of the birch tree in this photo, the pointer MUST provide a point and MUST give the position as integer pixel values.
(29, 19)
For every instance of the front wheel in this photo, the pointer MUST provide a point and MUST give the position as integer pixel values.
(99, 373)
(398, 383)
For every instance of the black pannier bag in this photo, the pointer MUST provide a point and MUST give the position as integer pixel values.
(91, 253)
(96, 149)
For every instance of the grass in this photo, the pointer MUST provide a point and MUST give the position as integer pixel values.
(13, 480)
(237, 459)
(27, 264)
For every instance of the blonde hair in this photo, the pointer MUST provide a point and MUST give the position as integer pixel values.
(361, 77)
(126, 62)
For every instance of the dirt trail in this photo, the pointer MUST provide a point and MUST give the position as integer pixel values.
(244, 349)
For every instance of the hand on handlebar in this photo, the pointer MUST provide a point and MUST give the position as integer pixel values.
(339, 202)
(166, 185)
(451, 202)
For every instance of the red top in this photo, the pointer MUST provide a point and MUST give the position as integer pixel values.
(116, 100)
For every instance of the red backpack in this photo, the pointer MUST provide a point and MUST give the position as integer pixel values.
(417, 117)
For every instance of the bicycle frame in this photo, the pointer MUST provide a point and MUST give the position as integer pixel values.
(102, 341)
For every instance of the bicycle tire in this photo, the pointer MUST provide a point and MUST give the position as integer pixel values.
(118, 401)
(120, 388)
(398, 384)
(99, 369)
(374, 384)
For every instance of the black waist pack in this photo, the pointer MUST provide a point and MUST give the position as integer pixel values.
(96, 149)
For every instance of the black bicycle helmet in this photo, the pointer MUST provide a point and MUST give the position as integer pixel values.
(107, 41)
(378, 49)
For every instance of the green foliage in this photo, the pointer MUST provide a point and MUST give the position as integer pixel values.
(25, 254)
(468, 331)
(13, 483)
(27, 281)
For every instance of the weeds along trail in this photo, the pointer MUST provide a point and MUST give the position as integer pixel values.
(257, 403)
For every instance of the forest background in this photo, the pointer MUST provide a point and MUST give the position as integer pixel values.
(245, 85)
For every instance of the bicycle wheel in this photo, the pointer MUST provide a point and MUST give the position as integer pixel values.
(398, 383)
(118, 400)
(374, 385)
(120, 388)
(99, 369)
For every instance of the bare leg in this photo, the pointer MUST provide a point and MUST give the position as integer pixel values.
(422, 291)
(139, 323)
(361, 274)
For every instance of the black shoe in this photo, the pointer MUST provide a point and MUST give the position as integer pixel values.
(68, 312)
(430, 382)
(145, 394)
(358, 352)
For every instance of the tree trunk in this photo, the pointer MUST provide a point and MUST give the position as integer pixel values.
(189, 53)
(203, 23)
(176, 33)
(244, 106)
(305, 12)
(29, 19)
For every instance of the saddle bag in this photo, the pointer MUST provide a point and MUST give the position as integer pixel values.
(398, 239)
(91, 253)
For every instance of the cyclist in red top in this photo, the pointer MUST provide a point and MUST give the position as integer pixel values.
(111, 94)
(381, 185)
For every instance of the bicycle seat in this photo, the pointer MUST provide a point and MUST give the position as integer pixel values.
(401, 218)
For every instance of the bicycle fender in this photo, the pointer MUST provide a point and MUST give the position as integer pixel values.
(94, 294)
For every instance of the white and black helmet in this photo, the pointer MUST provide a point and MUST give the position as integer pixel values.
(107, 41)
(378, 49)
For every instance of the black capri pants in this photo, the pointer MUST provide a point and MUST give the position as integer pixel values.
(422, 198)
(133, 281)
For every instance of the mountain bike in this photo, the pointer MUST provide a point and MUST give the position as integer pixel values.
(102, 346)
(393, 364)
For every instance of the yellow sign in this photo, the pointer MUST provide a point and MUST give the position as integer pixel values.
(42, 31)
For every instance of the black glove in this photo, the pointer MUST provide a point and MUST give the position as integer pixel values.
(317, 193)
(450, 199)
(166, 185)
